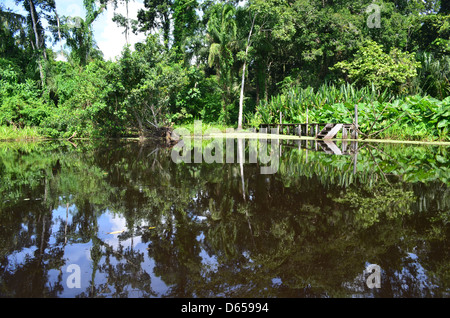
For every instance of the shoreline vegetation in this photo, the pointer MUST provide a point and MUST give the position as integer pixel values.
(10, 134)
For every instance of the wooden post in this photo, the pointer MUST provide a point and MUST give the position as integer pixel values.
(281, 118)
(344, 146)
(354, 148)
(356, 122)
(307, 121)
(344, 133)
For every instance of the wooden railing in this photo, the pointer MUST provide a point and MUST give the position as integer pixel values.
(308, 130)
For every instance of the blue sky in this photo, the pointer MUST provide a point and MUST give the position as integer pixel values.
(108, 36)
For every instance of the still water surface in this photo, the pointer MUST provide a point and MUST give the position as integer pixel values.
(122, 219)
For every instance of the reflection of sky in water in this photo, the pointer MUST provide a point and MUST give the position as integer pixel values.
(414, 271)
(210, 262)
(18, 258)
(79, 253)
(411, 271)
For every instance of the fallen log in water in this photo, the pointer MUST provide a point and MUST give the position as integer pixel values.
(165, 134)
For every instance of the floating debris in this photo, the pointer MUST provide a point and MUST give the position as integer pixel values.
(116, 232)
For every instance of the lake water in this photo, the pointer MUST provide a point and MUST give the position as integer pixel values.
(124, 219)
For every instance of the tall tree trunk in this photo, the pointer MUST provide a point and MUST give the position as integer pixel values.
(36, 35)
(128, 23)
(241, 98)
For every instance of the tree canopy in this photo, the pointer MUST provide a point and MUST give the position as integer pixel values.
(214, 60)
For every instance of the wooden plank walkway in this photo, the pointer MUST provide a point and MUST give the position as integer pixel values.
(316, 130)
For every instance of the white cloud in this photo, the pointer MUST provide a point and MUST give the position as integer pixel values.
(110, 37)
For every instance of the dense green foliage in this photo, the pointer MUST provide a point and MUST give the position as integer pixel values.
(405, 117)
(393, 54)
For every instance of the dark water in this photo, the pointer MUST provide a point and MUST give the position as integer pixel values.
(122, 219)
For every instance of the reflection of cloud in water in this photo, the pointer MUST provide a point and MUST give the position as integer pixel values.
(19, 258)
(111, 223)
(314, 195)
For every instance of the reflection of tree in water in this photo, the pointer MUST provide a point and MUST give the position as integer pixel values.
(28, 277)
(123, 270)
(227, 230)
(26, 221)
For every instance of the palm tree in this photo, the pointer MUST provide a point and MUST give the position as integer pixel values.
(222, 32)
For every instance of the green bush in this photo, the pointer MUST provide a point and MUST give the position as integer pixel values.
(200, 99)
(394, 70)
(20, 102)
